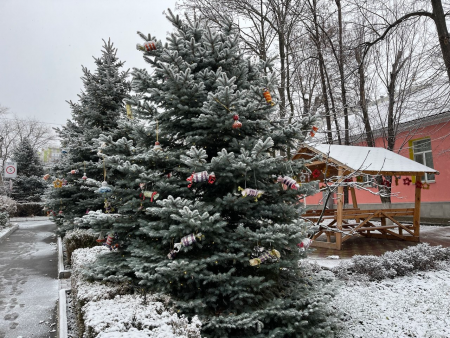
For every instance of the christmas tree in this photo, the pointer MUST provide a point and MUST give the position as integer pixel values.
(28, 186)
(208, 213)
(80, 172)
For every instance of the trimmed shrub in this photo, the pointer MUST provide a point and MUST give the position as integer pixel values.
(78, 239)
(4, 218)
(29, 209)
(421, 257)
(8, 205)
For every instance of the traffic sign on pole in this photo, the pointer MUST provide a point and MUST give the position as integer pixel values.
(10, 169)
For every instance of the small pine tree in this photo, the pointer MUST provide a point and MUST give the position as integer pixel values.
(100, 107)
(211, 243)
(28, 186)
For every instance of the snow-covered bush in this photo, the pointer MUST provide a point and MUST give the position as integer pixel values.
(8, 205)
(110, 310)
(397, 263)
(4, 218)
(77, 239)
(29, 209)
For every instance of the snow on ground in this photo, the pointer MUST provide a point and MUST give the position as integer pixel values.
(411, 306)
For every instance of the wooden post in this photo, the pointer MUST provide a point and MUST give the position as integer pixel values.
(355, 202)
(416, 219)
(340, 205)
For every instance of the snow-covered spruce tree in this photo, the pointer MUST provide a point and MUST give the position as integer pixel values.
(28, 186)
(224, 243)
(97, 112)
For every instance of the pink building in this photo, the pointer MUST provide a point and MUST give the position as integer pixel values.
(425, 140)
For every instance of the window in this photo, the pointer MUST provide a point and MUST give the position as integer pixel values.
(421, 150)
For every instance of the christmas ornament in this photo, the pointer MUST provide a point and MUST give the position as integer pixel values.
(157, 146)
(104, 188)
(129, 112)
(84, 174)
(84, 177)
(64, 151)
(288, 182)
(237, 124)
(407, 181)
(149, 46)
(304, 244)
(269, 256)
(73, 172)
(58, 183)
(251, 193)
(425, 186)
(153, 195)
(185, 241)
(60, 212)
(419, 185)
(101, 238)
(387, 183)
(64, 182)
(172, 254)
(316, 173)
(312, 133)
(396, 179)
(201, 177)
(268, 97)
(108, 208)
(359, 179)
(46, 177)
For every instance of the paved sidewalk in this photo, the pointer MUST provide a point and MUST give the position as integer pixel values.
(28, 281)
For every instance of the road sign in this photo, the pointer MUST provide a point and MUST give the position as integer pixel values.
(10, 169)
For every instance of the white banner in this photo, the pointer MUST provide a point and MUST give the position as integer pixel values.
(10, 170)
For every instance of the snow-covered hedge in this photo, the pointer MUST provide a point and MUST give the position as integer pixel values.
(78, 239)
(4, 218)
(108, 310)
(8, 205)
(420, 257)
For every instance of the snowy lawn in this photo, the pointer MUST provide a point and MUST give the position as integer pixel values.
(105, 311)
(410, 306)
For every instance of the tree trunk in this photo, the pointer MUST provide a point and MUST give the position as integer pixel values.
(441, 27)
(333, 107)
(362, 99)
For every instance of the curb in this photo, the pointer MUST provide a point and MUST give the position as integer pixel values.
(62, 313)
(61, 272)
(9, 232)
(27, 219)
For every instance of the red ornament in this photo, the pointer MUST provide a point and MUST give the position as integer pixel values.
(237, 125)
(419, 185)
(387, 183)
(407, 181)
(314, 128)
(268, 97)
(84, 177)
(151, 45)
(312, 134)
(316, 173)
(235, 117)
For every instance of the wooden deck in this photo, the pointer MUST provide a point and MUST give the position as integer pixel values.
(355, 221)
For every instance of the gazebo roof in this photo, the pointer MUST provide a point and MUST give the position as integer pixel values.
(367, 160)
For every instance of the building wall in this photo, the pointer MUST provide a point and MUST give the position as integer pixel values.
(439, 190)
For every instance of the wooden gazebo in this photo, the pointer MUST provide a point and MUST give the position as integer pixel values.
(340, 161)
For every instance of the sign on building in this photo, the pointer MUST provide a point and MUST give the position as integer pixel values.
(10, 170)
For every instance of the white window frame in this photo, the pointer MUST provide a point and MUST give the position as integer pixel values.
(424, 178)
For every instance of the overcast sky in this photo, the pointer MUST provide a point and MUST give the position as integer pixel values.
(44, 43)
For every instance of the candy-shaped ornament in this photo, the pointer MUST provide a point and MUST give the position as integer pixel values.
(304, 244)
(108, 208)
(201, 177)
(153, 195)
(73, 172)
(268, 97)
(46, 177)
(251, 193)
(237, 124)
(185, 241)
(264, 256)
(288, 183)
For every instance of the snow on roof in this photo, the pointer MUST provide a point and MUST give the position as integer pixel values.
(369, 160)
